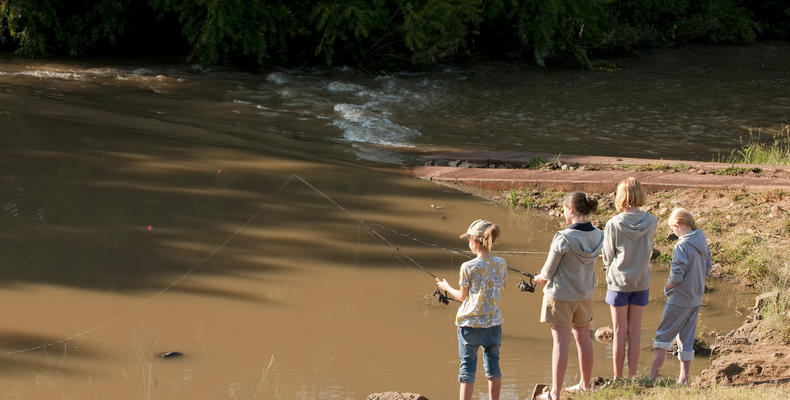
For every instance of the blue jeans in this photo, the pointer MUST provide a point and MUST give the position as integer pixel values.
(469, 339)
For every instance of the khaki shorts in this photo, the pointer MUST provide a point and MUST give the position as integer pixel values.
(566, 313)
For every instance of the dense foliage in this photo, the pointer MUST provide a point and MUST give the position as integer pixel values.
(376, 34)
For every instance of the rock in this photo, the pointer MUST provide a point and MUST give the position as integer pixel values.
(759, 301)
(700, 348)
(453, 163)
(582, 168)
(672, 237)
(396, 396)
(604, 334)
(701, 171)
(430, 163)
(654, 254)
(747, 355)
(564, 167)
(170, 354)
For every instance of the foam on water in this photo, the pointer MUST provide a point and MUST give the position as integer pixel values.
(277, 77)
(361, 125)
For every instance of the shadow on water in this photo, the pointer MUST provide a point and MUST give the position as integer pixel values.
(96, 210)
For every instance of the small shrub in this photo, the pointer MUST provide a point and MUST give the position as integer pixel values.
(734, 171)
(776, 316)
(536, 162)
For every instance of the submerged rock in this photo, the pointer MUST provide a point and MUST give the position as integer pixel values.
(396, 396)
(604, 334)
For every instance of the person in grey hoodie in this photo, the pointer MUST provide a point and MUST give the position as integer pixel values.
(569, 278)
(627, 247)
(691, 263)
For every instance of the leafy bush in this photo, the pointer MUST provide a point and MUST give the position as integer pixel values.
(221, 32)
(375, 34)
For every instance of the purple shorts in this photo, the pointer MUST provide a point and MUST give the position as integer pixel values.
(619, 299)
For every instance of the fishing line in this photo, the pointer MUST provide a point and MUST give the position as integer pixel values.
(453, 249)
(395, 250)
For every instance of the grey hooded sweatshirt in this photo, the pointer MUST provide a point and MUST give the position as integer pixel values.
(689, 267)
(627, 247)
(570, 266)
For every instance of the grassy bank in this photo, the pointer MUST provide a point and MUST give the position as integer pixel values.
(666, 390)
(772, 148)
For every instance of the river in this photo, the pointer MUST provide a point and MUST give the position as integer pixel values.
(244, 221)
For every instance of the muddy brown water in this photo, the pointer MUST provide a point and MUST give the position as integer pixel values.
(149, 209)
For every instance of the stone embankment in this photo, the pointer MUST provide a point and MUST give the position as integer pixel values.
(498, 171)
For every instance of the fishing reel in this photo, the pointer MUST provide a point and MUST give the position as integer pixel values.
(523, 285)
(527, 286)
(442, 297)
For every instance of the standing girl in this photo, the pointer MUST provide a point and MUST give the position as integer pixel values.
(627, 247)
(569, 276)
(686, 284)
(479, 320)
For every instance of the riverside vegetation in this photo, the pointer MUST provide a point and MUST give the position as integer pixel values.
(379, 35)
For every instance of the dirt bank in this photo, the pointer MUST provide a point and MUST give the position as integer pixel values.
(749, 355)
(742, 209)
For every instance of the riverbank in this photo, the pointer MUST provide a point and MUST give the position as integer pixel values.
(743, 210)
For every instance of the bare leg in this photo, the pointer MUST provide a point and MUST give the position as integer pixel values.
(683, 378)
(620, 328)
(658, 360)
(466, 390)
(585, 350)
(634, 341)
(494, 387)
(559, 358)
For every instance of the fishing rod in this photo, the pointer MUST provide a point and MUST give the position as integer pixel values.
(523, 285)
(396, 251)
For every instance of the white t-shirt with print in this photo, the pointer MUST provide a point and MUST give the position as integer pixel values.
(485, 278)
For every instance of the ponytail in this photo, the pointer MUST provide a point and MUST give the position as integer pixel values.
(581, 203)
(489, 237)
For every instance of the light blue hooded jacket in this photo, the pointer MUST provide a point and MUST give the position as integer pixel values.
(690, 266)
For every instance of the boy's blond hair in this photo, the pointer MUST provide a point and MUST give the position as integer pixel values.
(681, 216)
(629, 194)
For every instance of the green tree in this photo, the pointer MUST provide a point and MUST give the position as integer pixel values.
(227, 31)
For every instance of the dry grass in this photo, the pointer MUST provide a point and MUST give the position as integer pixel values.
(666, 390)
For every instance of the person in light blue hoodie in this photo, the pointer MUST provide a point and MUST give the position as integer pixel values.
(569, 276)
(691, 263)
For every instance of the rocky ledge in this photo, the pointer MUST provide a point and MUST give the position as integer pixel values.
(396, 396)
(749, 355)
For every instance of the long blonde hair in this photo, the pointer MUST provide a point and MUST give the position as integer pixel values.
(629, 194)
